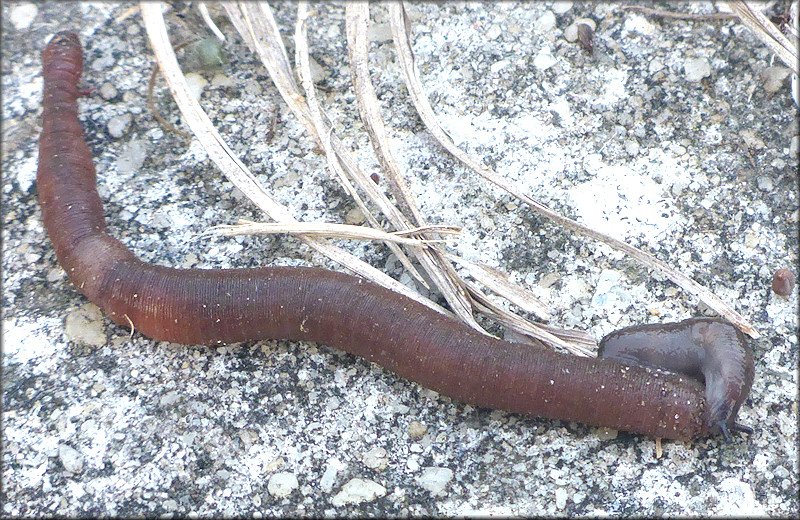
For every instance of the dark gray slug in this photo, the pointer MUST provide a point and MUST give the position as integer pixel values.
(707, 349)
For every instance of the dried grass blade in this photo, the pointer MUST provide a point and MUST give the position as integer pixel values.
(203, 8)
(498, 283)
(304, 63)
(578, 337)
(522, 325)
(230, 165)
(441, 271)
(767, 32)
(320, 229)
(357, 28)
(399, 24)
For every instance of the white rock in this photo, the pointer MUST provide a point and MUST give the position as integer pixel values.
(499, 65)
(132, 157)
(357, 491)
(380, 32)
(546, 22)
(435, 479)
(571, 33)
(281, 485)
(70, 458)
(169, 398)
(561, 6)
(544, 60)
(329, 476)
(773, 78)
(196, 84)
(376, 458)
(696, 69)
(118, 124)
(561, 498)
(85, 325)
(493, 32)
(108, 91)
(22, 15)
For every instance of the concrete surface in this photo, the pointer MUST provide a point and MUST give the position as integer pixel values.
(666, 135)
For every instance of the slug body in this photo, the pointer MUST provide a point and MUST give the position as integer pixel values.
(195, 306)
(707, 349)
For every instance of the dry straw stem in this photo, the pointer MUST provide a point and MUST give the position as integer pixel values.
(257, 26)
(331, 230)
(499, 283)
(441, 271)
(232, 167)
(203, 8)
(400, 32)
(325, 130)
(767, 32)
(784, 46)
(435, 259)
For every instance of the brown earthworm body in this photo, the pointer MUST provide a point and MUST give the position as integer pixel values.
(197, 306)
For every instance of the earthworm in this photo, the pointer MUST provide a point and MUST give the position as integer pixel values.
(212, 306)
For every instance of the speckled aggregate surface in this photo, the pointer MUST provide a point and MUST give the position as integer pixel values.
(665, 136)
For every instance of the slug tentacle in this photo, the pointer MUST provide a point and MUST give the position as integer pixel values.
(197, 306)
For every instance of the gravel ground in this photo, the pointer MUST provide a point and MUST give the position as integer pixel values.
(675, 135)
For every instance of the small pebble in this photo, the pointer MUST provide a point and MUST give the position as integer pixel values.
(22, 15)
(85, 325)
(108, 91)
(329, 476)
(376, 458)
(170, 398)
(435, 480)
(632, 147)
(357, 491)
(132, 157)
(196, 84)
(774, 77)
(317, 71)
(764, 183)
(544, 60)
(416, 430)
(561, 498)
(70, 458)
(783, 282)
(380, 32)
(696, 69)
(545, 22)
(354, 217)
(281, 485)
(117, 125)
(561, 6)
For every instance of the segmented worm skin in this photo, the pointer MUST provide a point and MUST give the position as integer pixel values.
(708, 349)
(195, 306)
